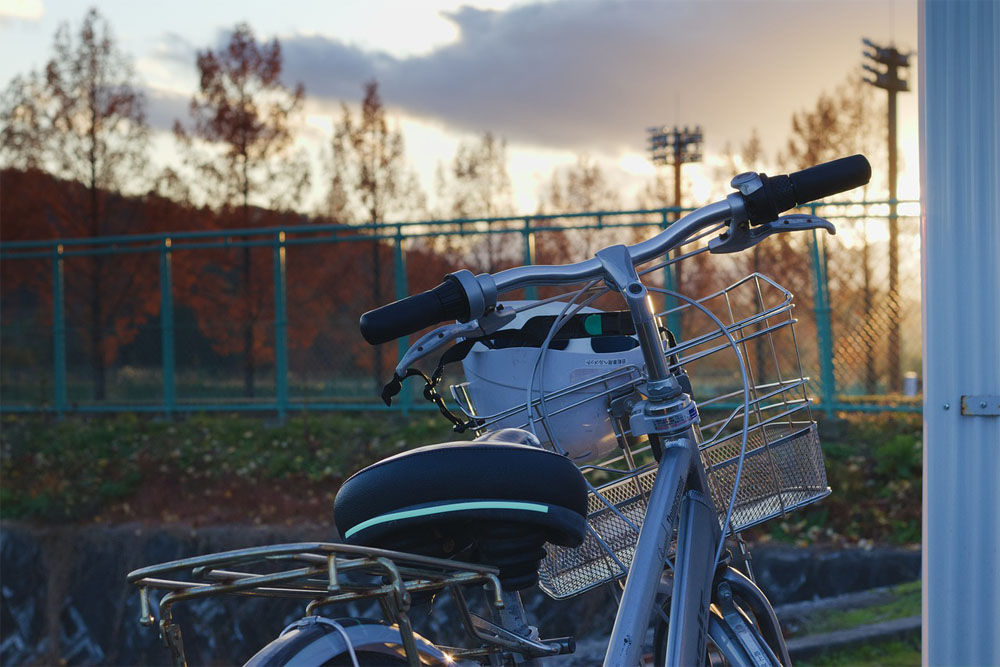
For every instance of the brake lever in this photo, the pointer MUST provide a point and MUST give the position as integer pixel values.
(741, 236)
(441, 336)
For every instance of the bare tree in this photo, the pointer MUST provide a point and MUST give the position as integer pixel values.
(849, 120)
(242, 115)
(580, 188)
(477, 185)
(844, 122)
(82, 119)
(370, 181)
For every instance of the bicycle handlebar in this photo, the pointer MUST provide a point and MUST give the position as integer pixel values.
(760, 200)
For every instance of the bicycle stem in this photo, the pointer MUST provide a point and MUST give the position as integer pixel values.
(620, 275)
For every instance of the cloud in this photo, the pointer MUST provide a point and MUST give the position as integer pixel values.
(164, 107)
(596, 74)
(21, 10)
(592, 76)
(175, 50)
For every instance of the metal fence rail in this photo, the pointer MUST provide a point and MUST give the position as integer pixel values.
(321, 370)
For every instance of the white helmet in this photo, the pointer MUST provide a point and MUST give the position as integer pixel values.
(497, 379)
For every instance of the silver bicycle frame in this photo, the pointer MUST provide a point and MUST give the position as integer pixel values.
(679, 493)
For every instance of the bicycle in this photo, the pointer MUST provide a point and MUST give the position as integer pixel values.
(579, 477)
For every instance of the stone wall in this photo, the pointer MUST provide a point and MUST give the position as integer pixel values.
(65, 599)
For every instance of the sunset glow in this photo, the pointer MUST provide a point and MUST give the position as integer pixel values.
(555, 79)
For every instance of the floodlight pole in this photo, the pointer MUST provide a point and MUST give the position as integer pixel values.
(675, 147)
(889, 80)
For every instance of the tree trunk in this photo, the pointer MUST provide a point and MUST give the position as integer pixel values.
(249, 365)
(760, 342)
(96, 305)
(249, 368)
(378, 373)
(871, 375)
(96, 331)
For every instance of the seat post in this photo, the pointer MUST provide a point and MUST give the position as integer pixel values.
(512, 616)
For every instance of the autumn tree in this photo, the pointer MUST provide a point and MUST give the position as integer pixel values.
(477, 185)
(659, 193)
(841, 123)
(82, 120)
(844, 122)
(579, 188)
(370, 183)
(781, 257)
(241, 149)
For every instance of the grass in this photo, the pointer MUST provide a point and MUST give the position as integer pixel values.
(71, 470)
(903, 601)
(74, 470)
(87, 469)
(874, 466)
(889, 652)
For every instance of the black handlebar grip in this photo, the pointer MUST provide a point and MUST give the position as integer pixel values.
(830, 178)
(780, 193)
(447, 301)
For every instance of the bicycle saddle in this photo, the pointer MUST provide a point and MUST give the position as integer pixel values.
(486, 501)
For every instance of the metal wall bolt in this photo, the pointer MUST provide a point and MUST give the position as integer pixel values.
(947, 406)
(982, 404)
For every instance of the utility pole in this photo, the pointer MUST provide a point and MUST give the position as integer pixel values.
(888, 79)
(675, 147)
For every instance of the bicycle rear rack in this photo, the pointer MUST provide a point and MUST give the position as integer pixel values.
(326, 574)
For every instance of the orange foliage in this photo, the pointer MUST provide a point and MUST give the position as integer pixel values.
(38, 206)
(228, 294)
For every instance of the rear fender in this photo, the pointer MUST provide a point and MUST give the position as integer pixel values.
(315, 639)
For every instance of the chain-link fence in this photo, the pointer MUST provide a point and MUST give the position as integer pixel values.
(266, 319)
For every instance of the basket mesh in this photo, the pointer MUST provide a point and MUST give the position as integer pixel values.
(782, 470)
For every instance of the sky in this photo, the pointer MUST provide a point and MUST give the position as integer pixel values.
(555, 79)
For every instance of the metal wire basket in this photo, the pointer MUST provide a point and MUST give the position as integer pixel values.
(782, 467)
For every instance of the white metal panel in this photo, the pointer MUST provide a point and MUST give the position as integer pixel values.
(959, 56)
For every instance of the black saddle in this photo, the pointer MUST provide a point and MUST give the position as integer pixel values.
(487, 501)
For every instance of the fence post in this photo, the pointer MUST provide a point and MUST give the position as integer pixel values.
(280, 327)
(402, 291)
(167, 328)
(58, 331)
(530, 293)
(670, 283)
(824, 329)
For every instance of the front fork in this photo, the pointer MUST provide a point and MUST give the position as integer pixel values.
(694, 571)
